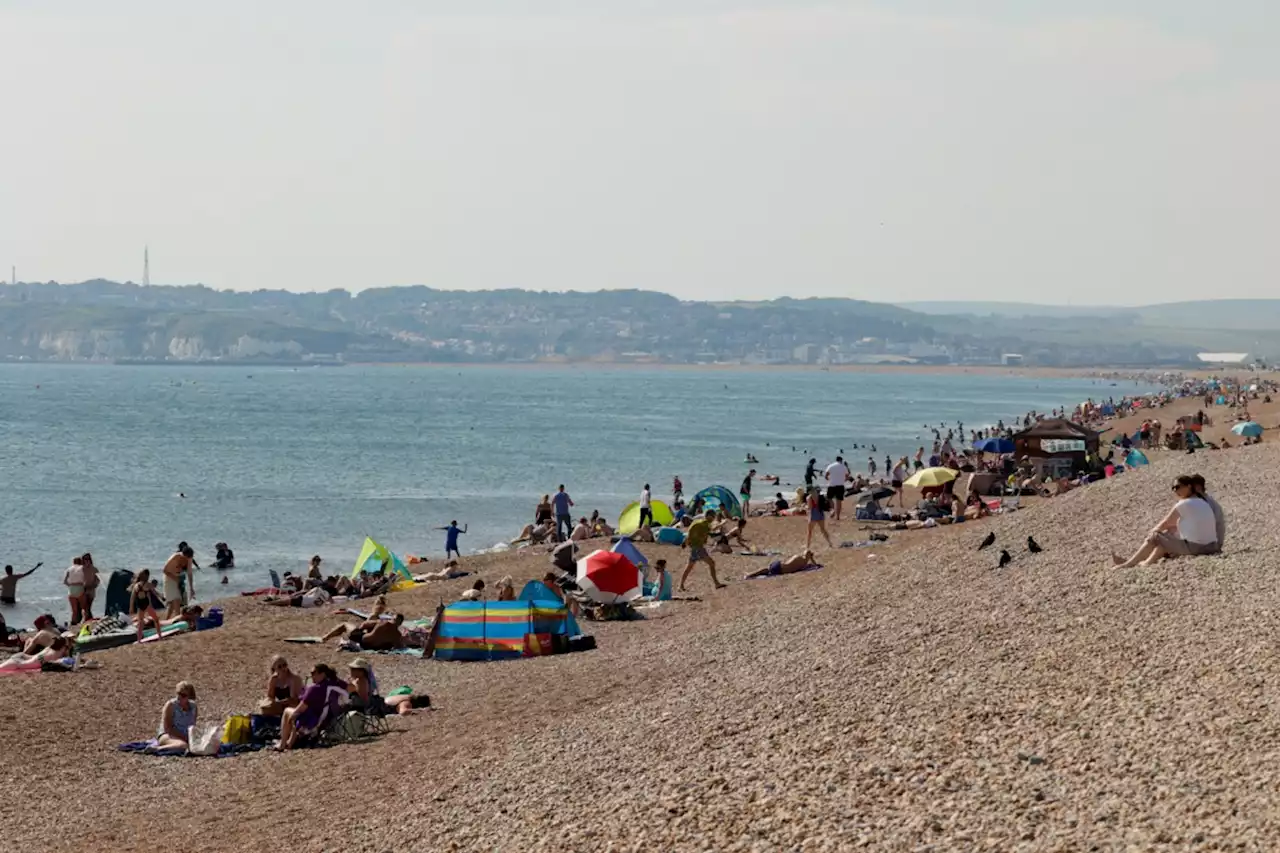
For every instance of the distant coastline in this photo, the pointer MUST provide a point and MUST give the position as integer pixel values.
(1101, 372)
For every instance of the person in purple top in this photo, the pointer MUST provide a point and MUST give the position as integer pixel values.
(325, 693)
(563, 503)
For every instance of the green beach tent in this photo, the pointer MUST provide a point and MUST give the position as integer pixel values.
(374, 556)
(629, 519)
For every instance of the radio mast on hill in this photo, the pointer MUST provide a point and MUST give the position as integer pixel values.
(146, 266)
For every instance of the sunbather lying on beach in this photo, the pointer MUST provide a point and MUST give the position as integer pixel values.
(375, 634)
(794, 563)
(57, 650)
(534, 534)
(315, 597)
(449, 572)
(284, 689)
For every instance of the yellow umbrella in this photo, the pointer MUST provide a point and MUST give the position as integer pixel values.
(931, 477)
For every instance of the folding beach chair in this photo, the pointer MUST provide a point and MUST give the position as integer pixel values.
(353, 727)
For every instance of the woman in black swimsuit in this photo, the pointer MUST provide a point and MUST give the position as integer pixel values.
(284, 689)
(542, 513)
(142, 603)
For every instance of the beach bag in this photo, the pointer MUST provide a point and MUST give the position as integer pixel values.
(213, 619)
(204, 742)
(237, 729)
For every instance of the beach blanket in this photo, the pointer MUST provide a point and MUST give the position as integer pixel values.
(758, 553)
(148, 747)
(304, 641)
(866, 543)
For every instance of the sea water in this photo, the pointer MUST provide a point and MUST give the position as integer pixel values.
(284, 463)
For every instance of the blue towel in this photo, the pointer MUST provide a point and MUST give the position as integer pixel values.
(147, 747)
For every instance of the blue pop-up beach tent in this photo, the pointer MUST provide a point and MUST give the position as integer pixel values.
(718, 497)
(628, 549)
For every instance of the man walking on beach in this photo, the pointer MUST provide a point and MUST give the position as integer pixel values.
(562, 503)
(810, 472)
(696, 542)
(744, 492)
(646, 507)
(451, 534)
(837, 475)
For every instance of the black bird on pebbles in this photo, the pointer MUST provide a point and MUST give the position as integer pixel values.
(1005, 559)
(1033, 546)
(989, 541)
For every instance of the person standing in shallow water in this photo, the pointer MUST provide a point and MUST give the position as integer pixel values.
(9, 583)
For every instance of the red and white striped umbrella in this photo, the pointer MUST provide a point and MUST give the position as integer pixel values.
(608, 577)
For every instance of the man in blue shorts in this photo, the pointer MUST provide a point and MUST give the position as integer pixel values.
(451, 534)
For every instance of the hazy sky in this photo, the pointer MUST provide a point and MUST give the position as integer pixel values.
(1108, 152)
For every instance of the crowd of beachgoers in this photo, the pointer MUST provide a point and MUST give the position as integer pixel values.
(956, 476)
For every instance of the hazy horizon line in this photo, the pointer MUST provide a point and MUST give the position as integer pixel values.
(354, 291)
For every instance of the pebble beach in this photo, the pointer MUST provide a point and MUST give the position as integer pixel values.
(909, 696)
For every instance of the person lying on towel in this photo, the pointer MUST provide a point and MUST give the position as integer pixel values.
(794, 563)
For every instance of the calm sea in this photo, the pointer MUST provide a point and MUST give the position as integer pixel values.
(284, 463)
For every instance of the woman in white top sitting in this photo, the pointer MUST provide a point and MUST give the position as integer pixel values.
(1189, 529)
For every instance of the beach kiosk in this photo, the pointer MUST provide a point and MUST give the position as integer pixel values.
(1056, 447)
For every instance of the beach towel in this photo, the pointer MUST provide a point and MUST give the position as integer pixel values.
(866, 543)
(304, 641)
(148, 747)
(348, 646)
(759, 553)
